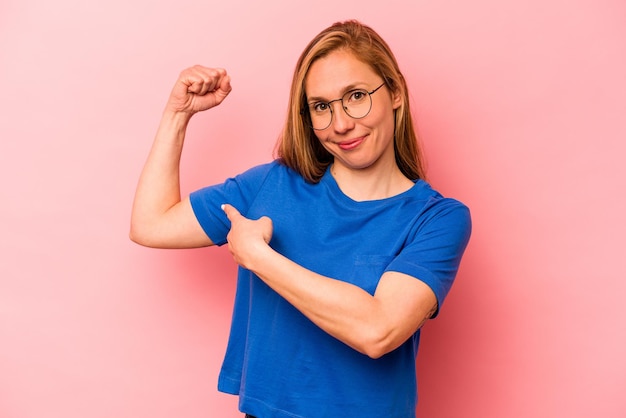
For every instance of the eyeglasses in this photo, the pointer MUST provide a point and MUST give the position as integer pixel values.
(356, 103)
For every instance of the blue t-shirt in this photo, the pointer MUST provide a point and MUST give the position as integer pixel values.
(281, 364)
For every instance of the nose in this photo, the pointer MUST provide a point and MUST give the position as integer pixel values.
(341, 121)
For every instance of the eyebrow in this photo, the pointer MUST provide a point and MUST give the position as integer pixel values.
(349, 87)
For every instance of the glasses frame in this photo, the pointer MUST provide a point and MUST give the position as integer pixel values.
(330, 122)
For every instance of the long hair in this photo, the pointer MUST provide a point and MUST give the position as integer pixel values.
(299, 148)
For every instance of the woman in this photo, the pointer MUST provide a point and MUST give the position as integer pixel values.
(344, 250)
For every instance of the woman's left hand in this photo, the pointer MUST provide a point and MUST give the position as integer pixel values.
(247, 239)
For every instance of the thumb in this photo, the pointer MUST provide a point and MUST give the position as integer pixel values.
(268, 228)
(266, 221)
(223, 89)
(230, 211)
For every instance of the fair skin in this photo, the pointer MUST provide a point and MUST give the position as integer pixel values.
(364, 162)
(159, 217)
(364, 168)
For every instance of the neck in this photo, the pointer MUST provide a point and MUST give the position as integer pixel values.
(372, 183)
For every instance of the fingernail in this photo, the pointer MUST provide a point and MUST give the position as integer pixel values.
(222, 207)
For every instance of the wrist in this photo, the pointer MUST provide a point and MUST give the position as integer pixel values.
(260, 258)
(176, 117)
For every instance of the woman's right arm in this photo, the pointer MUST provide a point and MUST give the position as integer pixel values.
(159, 217)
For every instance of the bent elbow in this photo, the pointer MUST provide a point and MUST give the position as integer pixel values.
(136, 237)
(376, 344)
(139, 235)
(377, 350)
(375, 354)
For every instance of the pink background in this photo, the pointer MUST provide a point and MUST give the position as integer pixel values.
(522, 109)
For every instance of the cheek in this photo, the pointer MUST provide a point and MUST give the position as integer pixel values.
(382, 112)
(383, 119)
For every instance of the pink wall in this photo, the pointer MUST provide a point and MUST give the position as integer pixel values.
(522, 108)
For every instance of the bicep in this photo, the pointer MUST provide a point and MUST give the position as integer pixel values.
(176, 228)
(407, 303)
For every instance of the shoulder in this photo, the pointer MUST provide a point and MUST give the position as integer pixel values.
(260, 170)
(441, 209)
(254, 178)
(434, 200)
(273, 168)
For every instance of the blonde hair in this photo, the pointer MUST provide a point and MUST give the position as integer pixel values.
(298, 147)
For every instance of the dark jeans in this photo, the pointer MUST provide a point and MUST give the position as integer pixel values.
(250, 416)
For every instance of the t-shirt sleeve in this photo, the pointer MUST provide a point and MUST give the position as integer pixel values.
(239, 191)
(434, 253)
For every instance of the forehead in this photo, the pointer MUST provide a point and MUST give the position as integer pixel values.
(333, 74)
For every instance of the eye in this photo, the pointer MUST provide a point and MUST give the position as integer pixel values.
(356, 95)
(319, 107)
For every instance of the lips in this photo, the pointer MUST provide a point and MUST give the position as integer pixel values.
(350, 144)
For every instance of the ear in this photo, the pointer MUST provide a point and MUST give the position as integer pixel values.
(397, 98)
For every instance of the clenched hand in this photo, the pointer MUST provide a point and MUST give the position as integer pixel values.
(199, 88)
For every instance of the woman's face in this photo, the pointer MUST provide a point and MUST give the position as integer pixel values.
(356, 144)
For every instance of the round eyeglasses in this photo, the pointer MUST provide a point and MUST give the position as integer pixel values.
(356, 103)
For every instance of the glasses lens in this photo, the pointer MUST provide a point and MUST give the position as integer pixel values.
(320, 115)
(357, 103)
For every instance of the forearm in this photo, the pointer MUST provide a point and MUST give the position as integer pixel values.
(373, 325)
(343, 310)
(159, 218)
(158, 188)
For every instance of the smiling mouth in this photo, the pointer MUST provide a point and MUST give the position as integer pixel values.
(350, 144)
